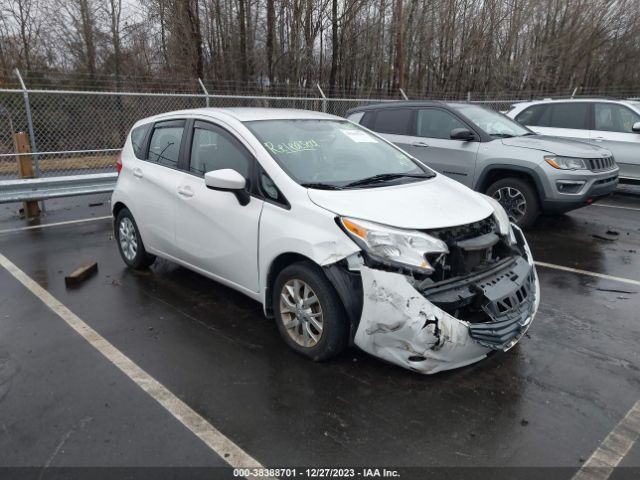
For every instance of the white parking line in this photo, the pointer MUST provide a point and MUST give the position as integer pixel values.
(613, 448)
(56, 224)
(212, 437)
(587, 272)
(614, 206)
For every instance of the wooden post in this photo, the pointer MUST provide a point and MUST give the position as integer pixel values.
(25, 170)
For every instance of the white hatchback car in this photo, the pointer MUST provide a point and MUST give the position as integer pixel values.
(343, 237)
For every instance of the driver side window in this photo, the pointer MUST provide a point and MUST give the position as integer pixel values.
(212, 148)
(435, 123)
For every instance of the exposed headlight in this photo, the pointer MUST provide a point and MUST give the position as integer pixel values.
(395, 247)
(566, 163)
(502, 218)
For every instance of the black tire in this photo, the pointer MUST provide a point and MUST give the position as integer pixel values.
(524, 191)
(140, 259)
(334, 337)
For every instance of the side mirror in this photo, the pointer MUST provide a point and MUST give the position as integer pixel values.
(636, 127)
(462, 134)
(228, 180)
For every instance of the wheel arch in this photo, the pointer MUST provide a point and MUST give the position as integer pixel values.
(497, 172)
(278, 264)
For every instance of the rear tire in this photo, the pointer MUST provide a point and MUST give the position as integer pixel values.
(309, 313)
(130, 243)
(518, 198)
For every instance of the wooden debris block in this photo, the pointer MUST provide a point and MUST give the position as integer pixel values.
(79, 275)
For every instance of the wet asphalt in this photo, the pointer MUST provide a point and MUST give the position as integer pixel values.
(548, 402)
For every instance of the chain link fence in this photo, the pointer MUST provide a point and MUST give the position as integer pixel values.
(77, 131)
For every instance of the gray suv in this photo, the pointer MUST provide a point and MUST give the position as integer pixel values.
(527, 173)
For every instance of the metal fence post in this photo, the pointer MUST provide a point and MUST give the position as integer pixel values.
(404, 95)
(324, 98)
(32, 137)
(204, 89)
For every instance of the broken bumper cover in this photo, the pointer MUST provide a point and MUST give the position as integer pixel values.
(400, 325)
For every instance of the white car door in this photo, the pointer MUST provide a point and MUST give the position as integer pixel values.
(156, 179)
(613, 130)
(214, 232)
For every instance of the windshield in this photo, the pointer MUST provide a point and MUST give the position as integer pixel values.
(334, 154)
(494, 123)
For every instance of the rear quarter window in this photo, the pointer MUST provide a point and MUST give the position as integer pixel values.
(531, 115)
(355, 117)
(138, 137)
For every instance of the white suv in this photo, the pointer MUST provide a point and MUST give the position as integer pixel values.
(612, 124)
(343, 237)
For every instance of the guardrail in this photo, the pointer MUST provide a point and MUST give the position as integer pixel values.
(55, 187)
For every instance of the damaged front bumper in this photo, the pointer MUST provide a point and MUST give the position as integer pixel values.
(409, 326)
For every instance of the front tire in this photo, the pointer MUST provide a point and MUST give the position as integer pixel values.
(130, 243)
(309, 313)
(518, 198)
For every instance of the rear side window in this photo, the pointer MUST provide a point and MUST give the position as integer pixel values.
(570, 115)
(611, 117)
(138, 137)
(164, 147)
(395, 121)
(435, 123)
(557, 115)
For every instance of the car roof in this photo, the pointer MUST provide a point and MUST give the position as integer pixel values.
(246, 114)
(399, 103)
(575, 99)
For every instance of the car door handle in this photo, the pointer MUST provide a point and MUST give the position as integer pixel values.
(419, 144)
(186, 192)
(137, 173)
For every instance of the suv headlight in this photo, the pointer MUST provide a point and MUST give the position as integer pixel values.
(565, 163)
(394, 247)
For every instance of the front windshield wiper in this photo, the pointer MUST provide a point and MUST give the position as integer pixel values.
(383, 177)
(321, 186)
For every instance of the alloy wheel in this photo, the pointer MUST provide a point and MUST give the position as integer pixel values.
(301, 313)
(513, 201)
(128, 238)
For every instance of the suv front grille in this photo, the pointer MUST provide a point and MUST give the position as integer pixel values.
(600, 164)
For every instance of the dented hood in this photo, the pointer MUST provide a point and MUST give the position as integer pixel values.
(434, 203)
(557, 146)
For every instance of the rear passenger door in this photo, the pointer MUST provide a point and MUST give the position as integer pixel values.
(559, 119)
(215, 234)
(156, 180)
(432, 144)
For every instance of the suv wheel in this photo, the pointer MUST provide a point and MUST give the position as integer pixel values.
(129, 242)
(518, 198)
(309, 314)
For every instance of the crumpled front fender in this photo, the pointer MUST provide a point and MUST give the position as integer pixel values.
(401, 326)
